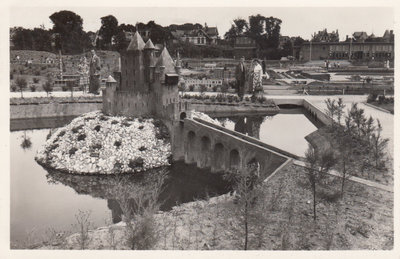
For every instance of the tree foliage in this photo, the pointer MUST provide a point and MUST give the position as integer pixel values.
(69, 35)
(108, 29)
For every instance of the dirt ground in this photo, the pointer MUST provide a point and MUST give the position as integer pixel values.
(280, 219)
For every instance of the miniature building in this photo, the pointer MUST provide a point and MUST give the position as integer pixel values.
(146, 85)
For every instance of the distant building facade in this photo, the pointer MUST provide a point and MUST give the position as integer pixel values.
(325, 36)
(359, 47)
(245, 47)
(204, 36)
(209, 83)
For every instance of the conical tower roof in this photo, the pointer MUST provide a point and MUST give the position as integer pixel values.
(149, 45)
(166, 61)
(110, 79)
(136, 43)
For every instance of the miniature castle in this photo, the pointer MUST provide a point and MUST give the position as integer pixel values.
(147, 85)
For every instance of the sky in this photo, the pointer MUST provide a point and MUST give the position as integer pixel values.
(296, 21)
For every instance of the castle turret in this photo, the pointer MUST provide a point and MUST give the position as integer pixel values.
(165, 65)
(132, 67)
(149, 61)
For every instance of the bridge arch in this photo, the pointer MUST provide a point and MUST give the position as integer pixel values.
(234, 159)
(190, 147)
(218, 159)
(205, 150)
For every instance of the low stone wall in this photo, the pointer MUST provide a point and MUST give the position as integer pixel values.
(320, 115)
(233, 109)
(48, 110)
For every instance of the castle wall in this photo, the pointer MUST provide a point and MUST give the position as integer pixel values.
(132, 72)
(128, 103)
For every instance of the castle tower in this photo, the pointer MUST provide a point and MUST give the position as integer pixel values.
(165, 65)
(149, 62)
(132, 67)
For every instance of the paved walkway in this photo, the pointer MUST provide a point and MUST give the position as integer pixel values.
(53, 94)
(353, 178)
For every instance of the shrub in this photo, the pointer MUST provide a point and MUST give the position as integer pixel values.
(64, 88)
(213, 98)
(372, 97)
(117, 166)
(88, 118)
(230, 98)
(62, 133)
(191, 88)
(203, 88)
(97, 128)
(77, 128)
(117, 143)
(72, 151)
(253, 98)
(114, 122)
(142, 148)
(220, 97)
(141, 127)
(381, 99)
(157, 123)
(137, 162)
(36, 80)
(96, 146)
(261, 99)
(214, 88)
(247, 99)
(52, 147)
(81, 136)
(103, 118)
(33, 88)
(13, 88)
(162, 133)
(224, 87)
(48, 87)
(181, 87)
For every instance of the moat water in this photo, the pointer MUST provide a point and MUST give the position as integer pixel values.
(42, 200)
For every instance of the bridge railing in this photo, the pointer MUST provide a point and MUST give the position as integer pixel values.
(247, 138)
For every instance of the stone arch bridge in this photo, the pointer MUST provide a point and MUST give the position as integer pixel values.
(211, 146)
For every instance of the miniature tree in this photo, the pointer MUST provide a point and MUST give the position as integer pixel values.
(379, 144)
(21, 84)
(318, 166)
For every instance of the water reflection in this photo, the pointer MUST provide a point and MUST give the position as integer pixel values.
(26, 142)
(180, 183)
(285, 130)
(248, 125)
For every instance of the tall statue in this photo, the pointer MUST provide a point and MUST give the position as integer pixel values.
(94, 73)
(240, 78)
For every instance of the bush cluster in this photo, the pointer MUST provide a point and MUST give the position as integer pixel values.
(137, 162)
(81, 136)
(72, 151)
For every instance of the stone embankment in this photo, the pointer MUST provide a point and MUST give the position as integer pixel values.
(99, 144)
